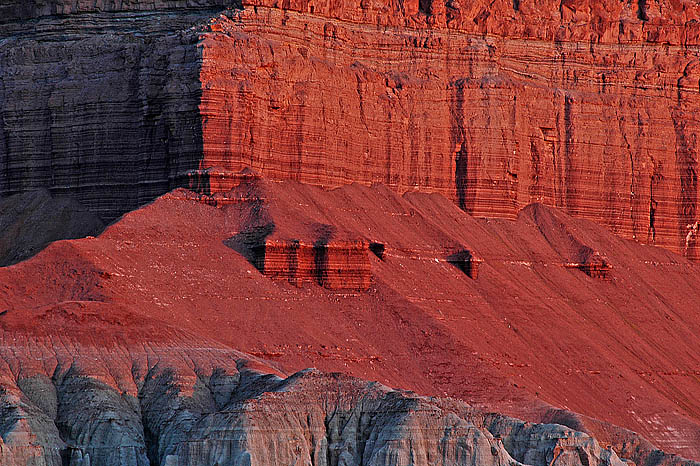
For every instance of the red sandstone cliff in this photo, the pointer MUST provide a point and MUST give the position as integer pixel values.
(584, 107)
(587, 106)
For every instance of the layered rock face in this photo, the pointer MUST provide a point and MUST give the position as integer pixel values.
(587, 106)
(99, 106)
(583, 107)
(335, 265)
(32, 9)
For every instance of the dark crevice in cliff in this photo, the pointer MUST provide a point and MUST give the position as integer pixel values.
(90, 414)
(687, 170)
(654, 180)
(325, 233)
(169, 417)
(463, 185)
(652, 215)
(150, 438)
(151, 442)
(63, 428)
(461, 177)
(363, 117)
(567, 169)
(366, 423)
(634, 192)
(353, 422)
(642, 10)
(150, 396)
(535, 190)
(331, 454)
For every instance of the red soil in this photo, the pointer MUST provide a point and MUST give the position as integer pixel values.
(533, 329)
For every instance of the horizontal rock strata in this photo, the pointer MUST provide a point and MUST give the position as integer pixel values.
(336, 265)
(601, 127)
(580, 105)
(11, 10)
(102, 107)
(583, 105)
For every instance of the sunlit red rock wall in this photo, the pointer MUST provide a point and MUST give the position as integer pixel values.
(591, 106)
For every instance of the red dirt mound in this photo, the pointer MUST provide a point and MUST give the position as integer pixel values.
(537, 327)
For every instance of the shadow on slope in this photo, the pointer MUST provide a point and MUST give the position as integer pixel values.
(31, 221)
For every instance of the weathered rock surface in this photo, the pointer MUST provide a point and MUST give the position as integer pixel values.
(99, 106)
(492, 115)
(141, 394)
(77, 379)
(11, 10)
(307, 253)
(587, 106)
(336, 265)
(30, 221)
(584, 105)
(527, 333)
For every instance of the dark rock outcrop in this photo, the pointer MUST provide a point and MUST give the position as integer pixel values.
(336, 265)
(99, 106)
